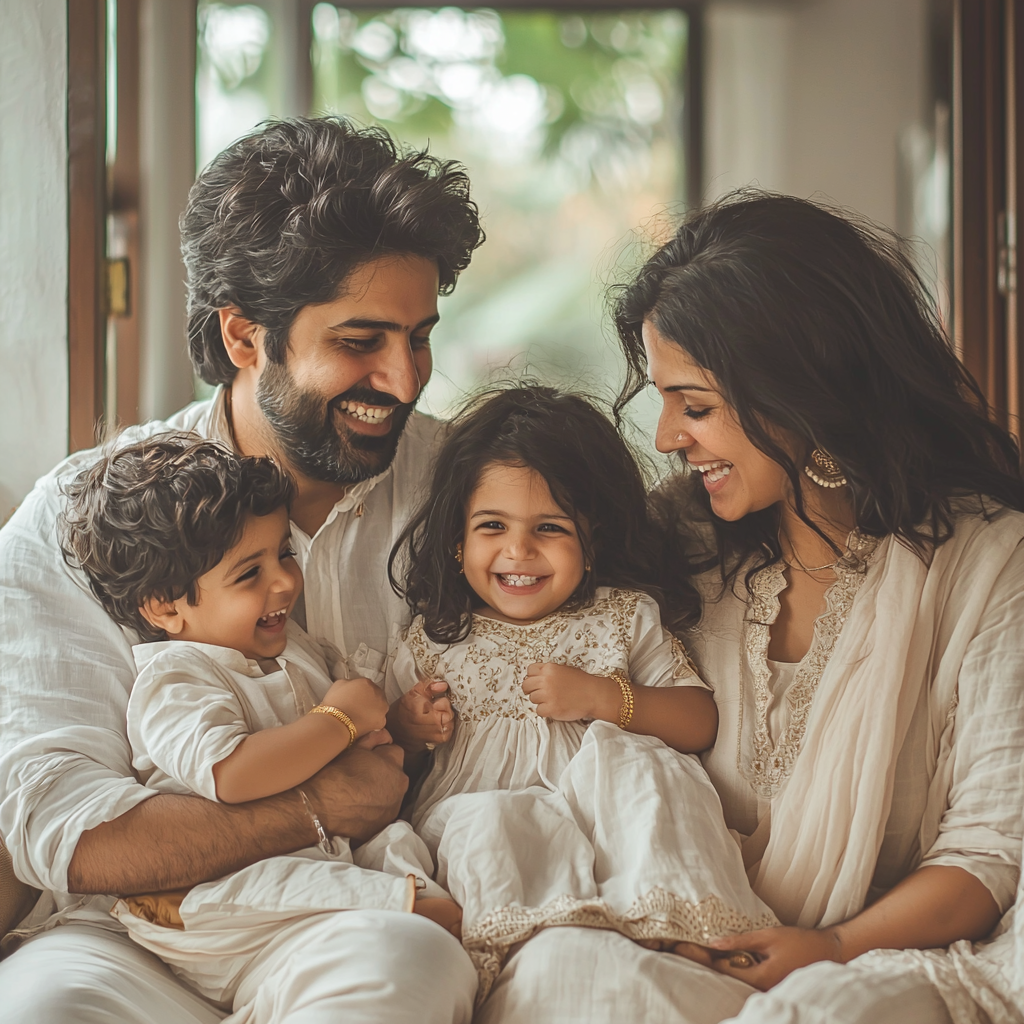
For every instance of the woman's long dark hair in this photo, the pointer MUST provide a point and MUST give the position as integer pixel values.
(819, 325)
(592, 476)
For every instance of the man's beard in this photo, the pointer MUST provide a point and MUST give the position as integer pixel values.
(305, 429)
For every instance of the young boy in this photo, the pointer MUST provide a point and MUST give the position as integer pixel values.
(188, 545)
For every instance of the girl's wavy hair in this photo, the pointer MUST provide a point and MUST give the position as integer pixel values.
(146, 520)
(592, 476)
(819, 325)
(282, 217)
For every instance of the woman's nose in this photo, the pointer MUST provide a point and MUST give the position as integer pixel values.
(670, 437)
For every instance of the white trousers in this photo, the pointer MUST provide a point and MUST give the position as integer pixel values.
(355, 967)
(584, 976)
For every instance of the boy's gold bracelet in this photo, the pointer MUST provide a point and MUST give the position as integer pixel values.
(329, 709)
(626, 709)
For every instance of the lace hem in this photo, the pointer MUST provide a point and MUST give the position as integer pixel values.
(657, 915)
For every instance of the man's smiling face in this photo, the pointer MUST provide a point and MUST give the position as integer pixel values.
(353, 370)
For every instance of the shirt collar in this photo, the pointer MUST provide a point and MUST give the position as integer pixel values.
(231, 659)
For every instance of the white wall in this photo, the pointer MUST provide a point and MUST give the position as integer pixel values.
(33, 244)
(811, 97)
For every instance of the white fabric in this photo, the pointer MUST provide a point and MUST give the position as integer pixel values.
(191, 706)
(363, 968)
(66, 669)
(909, 633)
(539, 823)
(500, 742)
(632, 839)
(582, 976)
(955, 789)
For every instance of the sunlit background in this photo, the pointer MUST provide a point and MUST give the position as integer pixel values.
(569, 125)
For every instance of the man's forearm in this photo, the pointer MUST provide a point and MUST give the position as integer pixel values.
(172, 842)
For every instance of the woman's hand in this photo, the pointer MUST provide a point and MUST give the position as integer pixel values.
(779, 952)
(421, 716)
(568, 694)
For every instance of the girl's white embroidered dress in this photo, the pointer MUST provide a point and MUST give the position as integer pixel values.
(191, 706)
(537, 823)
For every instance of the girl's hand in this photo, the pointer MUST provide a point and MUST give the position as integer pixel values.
(362, 701)
(422, 715)
(568, 694)
(780, 951)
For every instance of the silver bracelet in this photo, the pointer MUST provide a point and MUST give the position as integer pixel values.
(322, 841)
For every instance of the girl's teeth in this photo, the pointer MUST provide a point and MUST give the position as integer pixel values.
(516, 580)
(367, 414)
(272, 619)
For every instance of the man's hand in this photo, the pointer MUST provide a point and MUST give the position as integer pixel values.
(779, 952)
(362, 701)
(422, 715)
(568, 694)
(360, 792)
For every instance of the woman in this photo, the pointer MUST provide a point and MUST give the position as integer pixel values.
(863, 630)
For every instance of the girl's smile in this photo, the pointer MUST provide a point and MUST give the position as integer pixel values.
(521, 552)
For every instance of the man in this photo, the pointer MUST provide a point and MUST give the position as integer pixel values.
(315, 253)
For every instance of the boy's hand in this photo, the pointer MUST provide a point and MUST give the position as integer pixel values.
(568, 694)
(363, 702)
(422, 715)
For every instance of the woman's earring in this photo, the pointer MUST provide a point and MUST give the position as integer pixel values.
(586, 567)
(458, 558)
(824, 470)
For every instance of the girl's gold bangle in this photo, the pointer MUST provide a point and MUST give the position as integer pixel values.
(626, 708)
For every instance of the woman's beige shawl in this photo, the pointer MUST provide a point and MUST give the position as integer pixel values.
(908, 629)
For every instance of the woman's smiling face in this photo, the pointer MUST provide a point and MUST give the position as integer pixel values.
(696, 420)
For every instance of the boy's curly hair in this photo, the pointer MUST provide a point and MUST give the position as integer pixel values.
(148, 519)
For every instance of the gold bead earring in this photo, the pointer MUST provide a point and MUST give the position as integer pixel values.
(824, 470)
(458, 558)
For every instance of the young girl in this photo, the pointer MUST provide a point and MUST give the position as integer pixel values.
(530, 568)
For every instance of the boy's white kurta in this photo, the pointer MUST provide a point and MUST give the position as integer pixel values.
(191, 706)
(66, 671)
(540, 823)
(957, 800)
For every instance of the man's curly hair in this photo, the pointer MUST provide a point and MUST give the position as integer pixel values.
(282, 217)
(148, 519)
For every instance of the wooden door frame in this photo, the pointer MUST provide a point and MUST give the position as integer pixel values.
(988, 189)
(87, 139)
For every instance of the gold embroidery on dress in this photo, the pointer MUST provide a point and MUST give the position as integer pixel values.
(656, 915)
(476, 670)
(770, 765)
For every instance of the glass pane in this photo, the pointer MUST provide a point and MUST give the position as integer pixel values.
(570, 126)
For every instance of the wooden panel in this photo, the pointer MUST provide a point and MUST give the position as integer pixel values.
(86, 218)
(125, 207)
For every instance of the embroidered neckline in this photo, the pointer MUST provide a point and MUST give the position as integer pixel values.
(767, 766)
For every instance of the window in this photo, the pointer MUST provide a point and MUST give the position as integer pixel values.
(571, 127)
